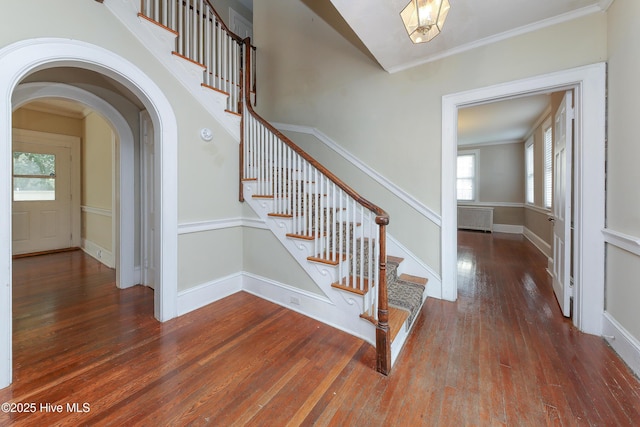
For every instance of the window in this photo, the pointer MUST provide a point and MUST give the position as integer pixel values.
(548, 167)
(528, 166)
(34, 176)
(466, 177)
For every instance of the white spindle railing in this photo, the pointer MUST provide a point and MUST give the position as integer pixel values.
(342, 230)
(203, 38)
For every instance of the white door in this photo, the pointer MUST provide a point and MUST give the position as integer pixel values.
(563, 138)
(41, 197)
(148, 201)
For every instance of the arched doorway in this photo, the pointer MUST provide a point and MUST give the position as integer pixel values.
(21, 59)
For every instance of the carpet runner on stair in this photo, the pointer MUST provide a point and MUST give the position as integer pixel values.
(403, 294)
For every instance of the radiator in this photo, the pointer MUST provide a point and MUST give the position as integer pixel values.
(475, 218)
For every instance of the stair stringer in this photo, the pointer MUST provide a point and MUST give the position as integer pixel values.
(161, 43)
(346, 307)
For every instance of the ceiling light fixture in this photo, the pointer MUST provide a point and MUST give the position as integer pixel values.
(424, 19)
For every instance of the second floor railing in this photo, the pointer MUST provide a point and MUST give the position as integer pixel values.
(203, 38)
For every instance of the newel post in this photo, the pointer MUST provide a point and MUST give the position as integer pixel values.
(383, 341)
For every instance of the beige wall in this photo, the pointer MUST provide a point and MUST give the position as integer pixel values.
(261, 245)
(500, 180)
(500, 173)
(97, 181)
(623, 152)
(310, 75)
(24, 118)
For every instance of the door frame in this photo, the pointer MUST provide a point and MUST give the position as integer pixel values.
(72, 143)
(24, 57)
(589, 84)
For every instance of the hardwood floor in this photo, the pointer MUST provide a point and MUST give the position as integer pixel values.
(500, 355)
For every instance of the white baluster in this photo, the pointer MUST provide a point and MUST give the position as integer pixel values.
(174, 15)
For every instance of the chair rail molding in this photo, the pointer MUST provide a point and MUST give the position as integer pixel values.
(623, 241)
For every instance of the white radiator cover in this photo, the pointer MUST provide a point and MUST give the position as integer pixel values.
(475, 218)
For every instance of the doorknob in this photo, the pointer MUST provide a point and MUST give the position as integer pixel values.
(551, 219)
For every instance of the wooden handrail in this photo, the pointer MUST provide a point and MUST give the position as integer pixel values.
(383, 339)
(382, 218)
(224, 26)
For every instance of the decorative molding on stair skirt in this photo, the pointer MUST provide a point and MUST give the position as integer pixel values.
(99, 253)
(161, 42)
(219, 224)
(423, 209)
(311, 305)
(306, 303)
(627, 347)
(623, 241)
(538, 242)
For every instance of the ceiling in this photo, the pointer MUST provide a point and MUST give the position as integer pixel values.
(470, 23)
(501, 122)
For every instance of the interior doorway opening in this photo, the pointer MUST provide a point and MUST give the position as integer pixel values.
(28, 58)
(512, 176)
(588, 84)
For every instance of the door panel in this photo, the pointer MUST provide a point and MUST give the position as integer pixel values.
(562, 144)
(41, 197)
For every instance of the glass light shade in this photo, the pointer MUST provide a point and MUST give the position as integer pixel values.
(424, 19)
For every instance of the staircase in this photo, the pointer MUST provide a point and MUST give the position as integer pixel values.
(337, 236)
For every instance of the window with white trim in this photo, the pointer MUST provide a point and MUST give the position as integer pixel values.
(548, 166)
(528, 167)
(466, 177)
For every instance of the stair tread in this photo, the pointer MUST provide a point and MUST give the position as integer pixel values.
(397, 319)
(413, 279)
(346, 282)
(328, 258)
(302, 236)
(280, 215)
(395, 259)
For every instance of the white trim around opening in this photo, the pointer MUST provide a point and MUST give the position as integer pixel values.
(19, 60)
(589, 177)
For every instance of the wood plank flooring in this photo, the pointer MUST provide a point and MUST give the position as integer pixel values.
(500, 355)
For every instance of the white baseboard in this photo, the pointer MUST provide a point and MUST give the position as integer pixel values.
(625, 344)
(199, 296)
(537, 241)
(508, 228)
(306, 303)
(98, 252)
